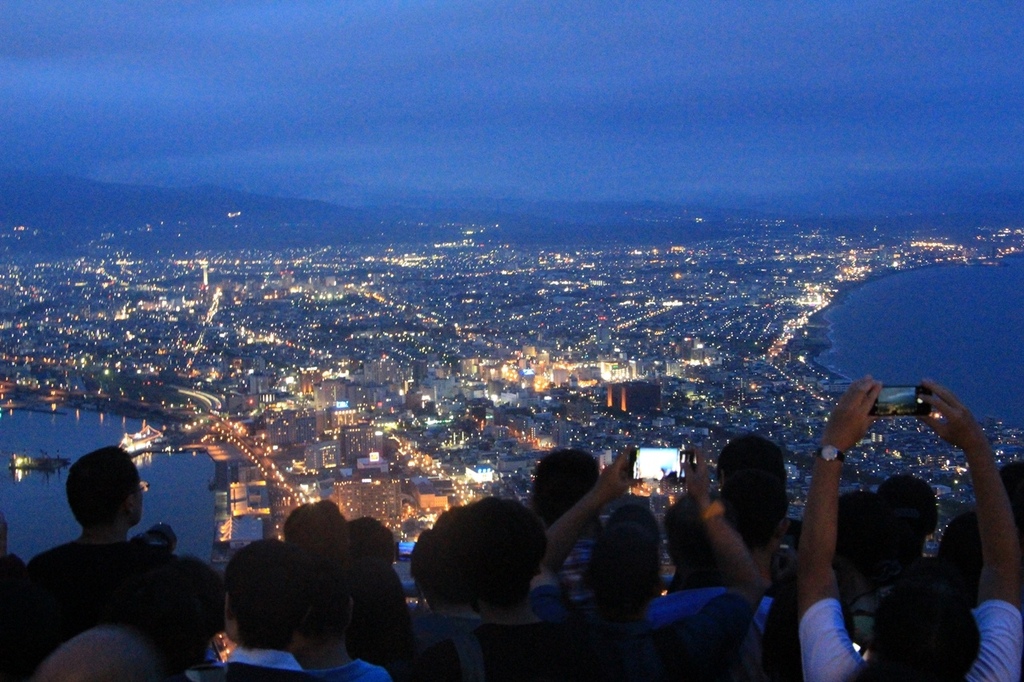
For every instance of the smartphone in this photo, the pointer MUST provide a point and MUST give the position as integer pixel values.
(901, 401)
(657, 464)
(405, 550)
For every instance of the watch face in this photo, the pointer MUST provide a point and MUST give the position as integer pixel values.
(829, 453)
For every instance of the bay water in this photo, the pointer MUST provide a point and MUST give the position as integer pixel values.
(962, 326)
(36, 505)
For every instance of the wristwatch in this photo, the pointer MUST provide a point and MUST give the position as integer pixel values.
(830, 453)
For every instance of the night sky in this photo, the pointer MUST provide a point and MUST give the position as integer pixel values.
(669, 101)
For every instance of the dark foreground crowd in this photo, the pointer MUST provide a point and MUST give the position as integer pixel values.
(568, 590)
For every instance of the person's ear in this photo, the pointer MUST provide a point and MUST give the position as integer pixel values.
(132, 504)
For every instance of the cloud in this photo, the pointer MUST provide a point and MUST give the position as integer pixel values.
(601, 98)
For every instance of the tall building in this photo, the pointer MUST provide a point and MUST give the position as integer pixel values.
(323, 455)
(379, 498)
(356, 441)
(330, 393)
(634, 397)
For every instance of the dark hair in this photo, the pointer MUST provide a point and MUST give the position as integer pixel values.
(634, 510)
(332, 609)
(506, 543)
(381, 628)
(369, 537)
(98, 483)
(436, 565)
(780, 643)
(271, 588)
(688, 542)
(757, 503)
(29, 627)
(624, 570)
(925, 622)
(751, 451)
(916, 509)
(1012, 475)
(866, 536)
(179, 607)
(560, 480)
(320, 528)
(961, 548)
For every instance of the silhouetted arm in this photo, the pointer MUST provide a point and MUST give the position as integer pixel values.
(731, 556)
(849, 421)
(613, 482)
(1000, 573)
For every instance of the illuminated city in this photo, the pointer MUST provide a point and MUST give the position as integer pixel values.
(402, 381)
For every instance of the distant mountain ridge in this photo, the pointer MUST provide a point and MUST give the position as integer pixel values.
(60, 215)
(66, 214)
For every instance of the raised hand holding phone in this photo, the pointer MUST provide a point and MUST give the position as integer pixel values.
(954, 424)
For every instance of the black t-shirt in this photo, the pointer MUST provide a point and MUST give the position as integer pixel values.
(82, 577)
(538, 652)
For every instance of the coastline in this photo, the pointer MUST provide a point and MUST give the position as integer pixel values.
(819, 340)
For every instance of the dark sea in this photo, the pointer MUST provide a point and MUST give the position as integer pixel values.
(962, 326)
(36, 507)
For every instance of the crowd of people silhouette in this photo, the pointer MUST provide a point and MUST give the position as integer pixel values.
(569, 587)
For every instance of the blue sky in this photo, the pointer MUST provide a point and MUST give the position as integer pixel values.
(671, 101)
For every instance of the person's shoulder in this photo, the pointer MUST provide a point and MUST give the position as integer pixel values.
(58, 555)
(438, 662)
(243, 672)
(675, 605)
(356, 671)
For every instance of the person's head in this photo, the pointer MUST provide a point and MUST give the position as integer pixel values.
(103, 487)
(369, 537)
(506, 544)
(320, 528)
(1012, 475)
(866, 536)
(331, 614)
(104, 653)
(435, 564)
(925, 623)
(178, 606)
(751, 451)
(561, 479)
(757, 506)
(961, 548)
(624, 571)
(271, 588)
(688, 543)
(381, 628)
(916, 509)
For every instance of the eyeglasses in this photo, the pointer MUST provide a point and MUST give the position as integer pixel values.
(143, 487)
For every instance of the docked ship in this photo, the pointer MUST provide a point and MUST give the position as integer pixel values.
(43, 462)
(133, 443)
